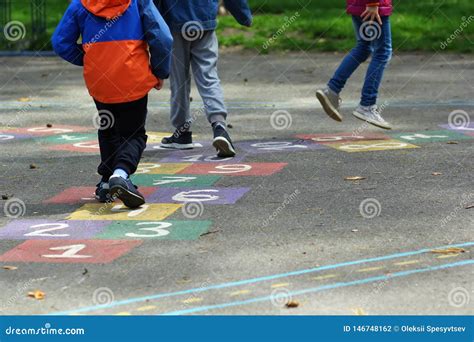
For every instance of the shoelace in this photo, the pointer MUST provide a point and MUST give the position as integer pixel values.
(375, 112)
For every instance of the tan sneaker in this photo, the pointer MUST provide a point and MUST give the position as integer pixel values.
(330, 102)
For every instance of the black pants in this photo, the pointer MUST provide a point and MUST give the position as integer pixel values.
(122, 136)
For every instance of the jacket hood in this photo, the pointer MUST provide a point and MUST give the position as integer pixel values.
(106, 8)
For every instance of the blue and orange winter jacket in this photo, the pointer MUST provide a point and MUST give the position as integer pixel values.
(126, 45)
(201, 14)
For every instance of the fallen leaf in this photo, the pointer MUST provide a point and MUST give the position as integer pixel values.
(10, 268)
(452, 143)
(37, 294)
(451, 250)
(354, 178)
(359, 312)
(292, 304)
(436, 173)
(24, 99)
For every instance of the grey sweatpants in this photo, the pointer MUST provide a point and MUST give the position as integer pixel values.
(201, 54)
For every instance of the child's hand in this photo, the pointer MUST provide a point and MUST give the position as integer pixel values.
(371, 13)
(160, 84)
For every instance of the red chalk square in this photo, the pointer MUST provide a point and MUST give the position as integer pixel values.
(238, 169)
(70, 251)
(85, 194)
(342, 137)
(91, 146)
(55, 129)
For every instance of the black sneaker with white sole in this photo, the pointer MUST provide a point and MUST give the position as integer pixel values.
(102, 193)
(222, 142)
(180, 140)
(124, 190)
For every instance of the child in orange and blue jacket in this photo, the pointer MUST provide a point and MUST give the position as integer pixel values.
(126, 52)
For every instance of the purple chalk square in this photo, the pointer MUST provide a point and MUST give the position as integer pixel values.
(462, 128)
(198, 146)
(5, 136)
(210, 195)
(51, 229)
(200, 156)
(274, 146)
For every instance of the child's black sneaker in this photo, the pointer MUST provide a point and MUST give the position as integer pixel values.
(180, 140)
(102, 193)
(127, 192)
(222, 142)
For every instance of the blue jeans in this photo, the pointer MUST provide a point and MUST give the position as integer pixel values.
(381, 51)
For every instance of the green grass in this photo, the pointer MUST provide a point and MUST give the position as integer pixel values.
(21, 11)
(319, 25)
(322, 25)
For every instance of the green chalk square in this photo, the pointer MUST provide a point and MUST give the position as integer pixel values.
(174, 181)
(157, 230)
(430, 136)
(67, 138)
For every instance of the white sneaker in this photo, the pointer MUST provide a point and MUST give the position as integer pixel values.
(372, 116)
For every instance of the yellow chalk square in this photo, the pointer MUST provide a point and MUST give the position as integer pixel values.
(156, 137)
(147, 212)
(161, 169)
(371, 145)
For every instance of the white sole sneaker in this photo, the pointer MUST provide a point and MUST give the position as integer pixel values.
(329, 109)
(224, 147)
(175, 146)
(372, 122)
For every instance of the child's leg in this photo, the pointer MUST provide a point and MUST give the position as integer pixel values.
(130, 124)
(352, 61)
(204, 56)
(180, 81)
(382, 53)
(109, 140)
